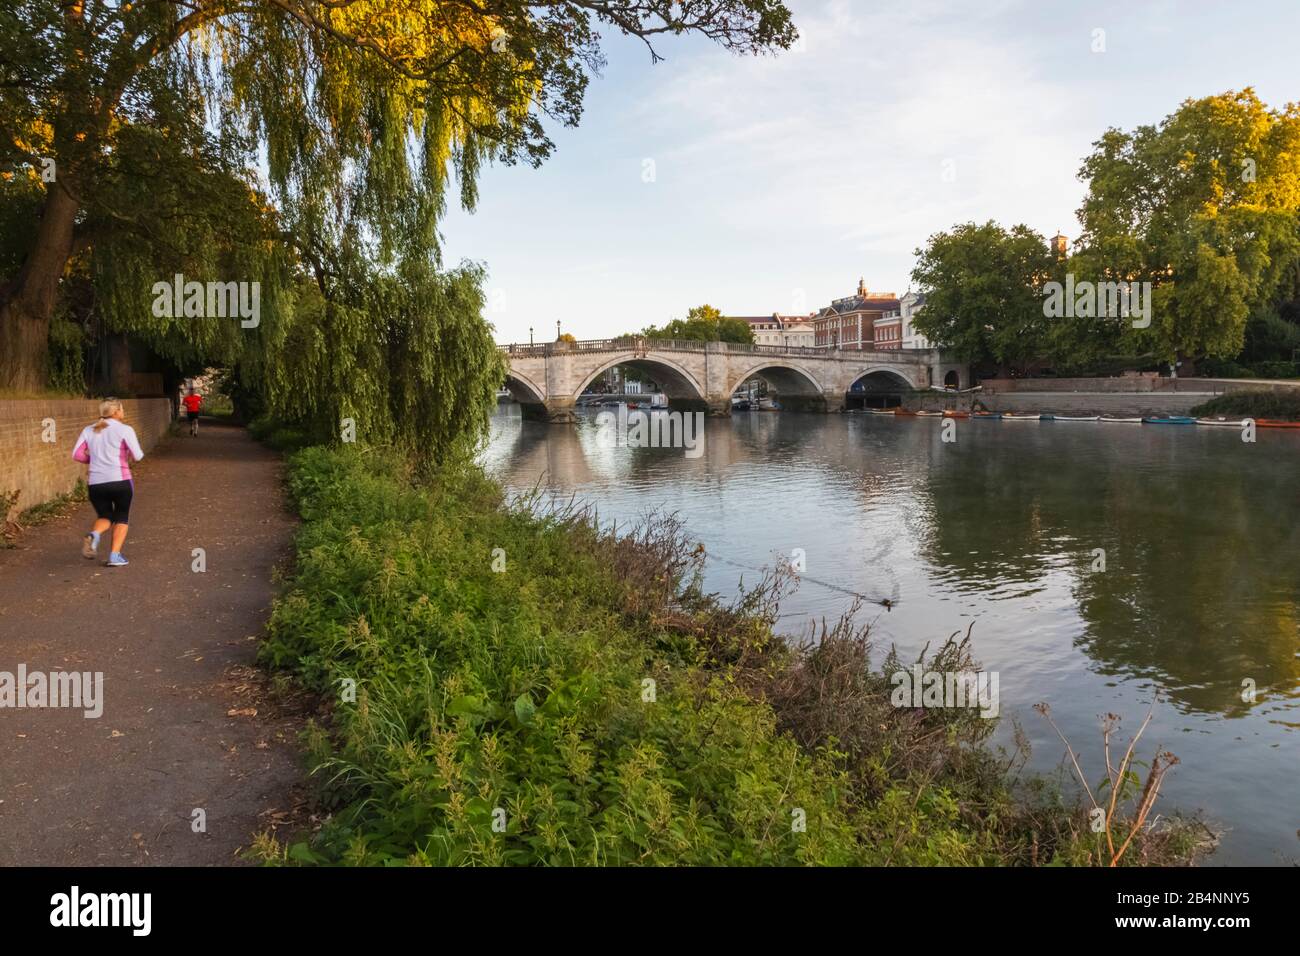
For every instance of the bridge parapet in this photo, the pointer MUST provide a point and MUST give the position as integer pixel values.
(643, 343)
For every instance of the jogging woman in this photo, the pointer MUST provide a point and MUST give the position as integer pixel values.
(104, 446)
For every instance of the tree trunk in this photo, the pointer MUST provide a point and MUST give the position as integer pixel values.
(28, 304)
(119, 365)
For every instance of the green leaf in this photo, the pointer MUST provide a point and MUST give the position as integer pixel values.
(302, 853)
(524, 709)
(467, 705)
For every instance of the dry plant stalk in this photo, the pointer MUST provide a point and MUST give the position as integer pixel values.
(1117, 777)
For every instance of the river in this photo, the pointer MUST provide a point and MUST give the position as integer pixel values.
(1003, 528)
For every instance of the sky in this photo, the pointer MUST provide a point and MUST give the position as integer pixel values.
(772, 184)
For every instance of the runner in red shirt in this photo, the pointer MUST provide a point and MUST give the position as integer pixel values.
(192, 401)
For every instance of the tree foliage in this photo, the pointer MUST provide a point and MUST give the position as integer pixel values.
(704, 323)
(1206, 207)
(307, 145)
(983, 289)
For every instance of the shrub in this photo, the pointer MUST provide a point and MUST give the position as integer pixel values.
(1256, 403)
(586, 703)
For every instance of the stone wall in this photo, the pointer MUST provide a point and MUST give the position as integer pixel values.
(1122, 404)
(36, 438)
(1124, 383)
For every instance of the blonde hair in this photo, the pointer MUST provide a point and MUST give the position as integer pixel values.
(107, 409)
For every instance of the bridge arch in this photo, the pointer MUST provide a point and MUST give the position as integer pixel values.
(788, 378)
(523, 389)
(890, 377)
(677, 382)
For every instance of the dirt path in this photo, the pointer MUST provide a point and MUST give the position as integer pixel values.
(174, 647)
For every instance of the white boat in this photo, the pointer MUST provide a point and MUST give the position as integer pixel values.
(930, 414)
(1125, 421)
(1241, 423)
(880, 411)
(1076, 418)
(1020, 417)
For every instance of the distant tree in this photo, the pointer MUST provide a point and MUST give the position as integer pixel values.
(735, 330)
(983, 292)
(1206, 207)
(704, 323)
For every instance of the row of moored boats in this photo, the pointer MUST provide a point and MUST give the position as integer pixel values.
(1113, 419)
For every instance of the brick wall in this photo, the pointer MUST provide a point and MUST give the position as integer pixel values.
(41, 470)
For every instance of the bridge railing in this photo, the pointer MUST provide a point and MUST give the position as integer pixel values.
(642, 343)
(621, 343)
(746, 349)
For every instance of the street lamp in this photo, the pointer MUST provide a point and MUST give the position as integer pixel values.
(557, 330)
(530, 335)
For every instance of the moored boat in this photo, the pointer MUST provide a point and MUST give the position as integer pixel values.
(1168, 420)
(1075, 418)
(952, 414)
(990, 416)
(1221, 421)
(1117, 419)
(1275, 423)
(928, 414)
(904, 411)
(1021, 417)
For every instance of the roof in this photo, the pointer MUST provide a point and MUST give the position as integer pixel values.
(857, 303)
(780, 321)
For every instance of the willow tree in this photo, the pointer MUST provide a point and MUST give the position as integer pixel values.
(1206, 207)
(297, 139)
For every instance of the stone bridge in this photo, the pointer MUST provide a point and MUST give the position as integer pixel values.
(548, 379)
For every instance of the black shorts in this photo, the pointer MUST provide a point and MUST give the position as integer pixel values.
(192, 416)
(112, 500)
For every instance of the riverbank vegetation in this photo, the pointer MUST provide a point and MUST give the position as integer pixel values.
(508, 683)
(1256, 403)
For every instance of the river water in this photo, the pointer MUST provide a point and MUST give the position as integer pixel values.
(1199, 596)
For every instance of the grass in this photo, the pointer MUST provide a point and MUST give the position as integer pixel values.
(503, 683)
(1256, 403)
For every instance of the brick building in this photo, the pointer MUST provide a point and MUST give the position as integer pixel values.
(867, 320)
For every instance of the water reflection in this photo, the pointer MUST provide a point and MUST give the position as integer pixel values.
(1002, 528)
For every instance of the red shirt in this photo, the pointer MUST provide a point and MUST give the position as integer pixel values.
(192, 402)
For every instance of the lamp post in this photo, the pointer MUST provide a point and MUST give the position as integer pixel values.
(557, 330)
(530, 335)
